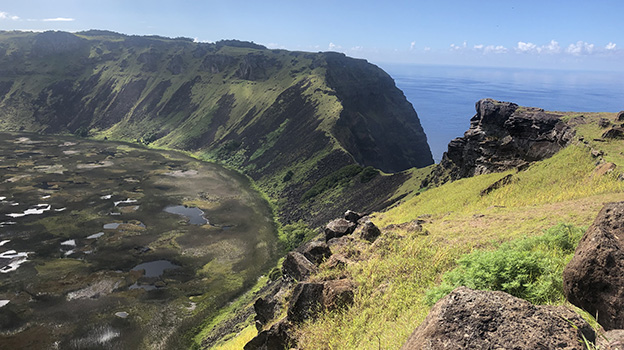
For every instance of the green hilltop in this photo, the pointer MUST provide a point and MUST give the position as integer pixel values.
(286, 119)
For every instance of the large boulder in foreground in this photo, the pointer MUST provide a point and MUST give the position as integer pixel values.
(502, 136)
(470, 319)
(594, 278)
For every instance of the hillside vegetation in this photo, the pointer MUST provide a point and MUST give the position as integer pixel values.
(396, 274)
(515, 238)
(286, 119)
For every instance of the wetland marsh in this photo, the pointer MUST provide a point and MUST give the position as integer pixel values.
(107, 245)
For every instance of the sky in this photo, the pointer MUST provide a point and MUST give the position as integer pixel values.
(577, 35)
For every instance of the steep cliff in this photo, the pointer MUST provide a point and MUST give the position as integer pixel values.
(286, 119)
(502, 136)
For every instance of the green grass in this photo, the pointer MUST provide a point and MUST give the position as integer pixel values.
(529, 268)
(465, 229)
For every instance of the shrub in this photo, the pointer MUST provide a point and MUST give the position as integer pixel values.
(529, 268)
(368, 174)
(340, 177)
(292, 235)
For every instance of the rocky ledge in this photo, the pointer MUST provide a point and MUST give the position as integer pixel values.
(502, 136)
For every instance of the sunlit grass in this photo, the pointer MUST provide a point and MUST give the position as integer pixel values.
(239, 341)
(398, 269)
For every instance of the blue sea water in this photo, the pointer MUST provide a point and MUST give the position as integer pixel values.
(444, 96)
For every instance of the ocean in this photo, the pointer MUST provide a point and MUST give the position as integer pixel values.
(444, 96)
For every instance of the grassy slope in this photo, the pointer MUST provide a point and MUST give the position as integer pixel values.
(398, 269)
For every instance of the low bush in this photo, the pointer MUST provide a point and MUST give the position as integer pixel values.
(529, 268)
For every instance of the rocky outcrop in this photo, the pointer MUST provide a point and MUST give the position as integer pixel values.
(616, 132)
(594, 278)
(502, 136)
(310, 298)
(469, 319)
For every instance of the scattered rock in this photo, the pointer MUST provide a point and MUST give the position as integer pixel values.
(265, 311)
(596, 153)
(507, 179)
(296, 266)
(611, 340)
(339, 228)
(337, 294)
(306, 302)
(411, 226)
(368, 231)
(603, 169)
(352, 216)
(470, 319)
(316, 251)
(336, 243)
(616, 132)
(279, 336)
(578, 120)
(620, 116)
(310, 299)
(604, 123)
(594, 279)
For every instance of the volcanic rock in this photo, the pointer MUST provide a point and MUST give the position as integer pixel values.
(316, 251)
(297, 266)
(470, 319)
(279, 336)
(338, 228)
(502, 136)
(594, 279)
(368, 231)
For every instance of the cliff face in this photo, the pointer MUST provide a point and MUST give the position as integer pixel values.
(287, 119)
(502, 136)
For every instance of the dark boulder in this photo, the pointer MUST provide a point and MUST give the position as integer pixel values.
(506, 180)
(470, 319)
(616, 132)
(278, 337)
(337, 294)
(310, 299)
(352, 216)
(368, 231)
(594, 279)
(502, 136)
(306, 302)
(296, 266)
(265, 310)
(604, 123)
(620, 116)
(338, 228)
(316, 251)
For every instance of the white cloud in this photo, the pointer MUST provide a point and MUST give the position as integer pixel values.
(610, 46)
(552, 47)
(427, 49)
(580, 48)
(6, 15)
(459, 47)
(495, 49)
(58, 19)
(333, 47)
(490, 48)
(527, 47)
(413, 45)
(357, 48)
